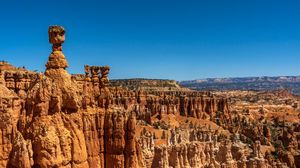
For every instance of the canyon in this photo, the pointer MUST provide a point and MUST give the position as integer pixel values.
(60, 120)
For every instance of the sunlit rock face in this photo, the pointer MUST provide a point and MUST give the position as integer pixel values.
(52, 120)
(57, 120)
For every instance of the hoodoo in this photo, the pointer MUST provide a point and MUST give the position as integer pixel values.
(58, 120)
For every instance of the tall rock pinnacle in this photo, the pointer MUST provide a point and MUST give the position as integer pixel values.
(56, 38)
(64, 89)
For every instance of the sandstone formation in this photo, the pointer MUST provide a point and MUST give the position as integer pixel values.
(58, 120)
(52, 120)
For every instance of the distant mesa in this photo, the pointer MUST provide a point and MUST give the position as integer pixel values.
(264, 83)
(148, 84)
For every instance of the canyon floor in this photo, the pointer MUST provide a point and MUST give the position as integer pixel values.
(58, 120)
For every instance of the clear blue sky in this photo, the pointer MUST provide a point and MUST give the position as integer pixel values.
(168, 39)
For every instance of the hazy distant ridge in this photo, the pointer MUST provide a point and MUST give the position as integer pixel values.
(246, 83)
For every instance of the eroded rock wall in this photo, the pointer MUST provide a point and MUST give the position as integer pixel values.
(50, 120)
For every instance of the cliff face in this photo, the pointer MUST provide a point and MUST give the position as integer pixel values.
(201, 105)
(10, 111)
(49, 120)
(60, 120)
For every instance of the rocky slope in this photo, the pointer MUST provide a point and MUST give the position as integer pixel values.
(49, 120)
(60, 120)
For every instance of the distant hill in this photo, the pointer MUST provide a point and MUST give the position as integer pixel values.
(6, 66)
(148, 84)
(291, 83)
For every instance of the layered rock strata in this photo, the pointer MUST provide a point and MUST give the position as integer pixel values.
(60, 120)
(49, 120)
